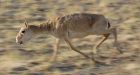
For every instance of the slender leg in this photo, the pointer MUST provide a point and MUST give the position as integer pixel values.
(96, 47)
(56, 46)
(73, 48)
(114, 32)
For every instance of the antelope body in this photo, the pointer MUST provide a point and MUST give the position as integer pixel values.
(76, 25)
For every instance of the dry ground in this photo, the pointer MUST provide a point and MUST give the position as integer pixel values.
(33, 58)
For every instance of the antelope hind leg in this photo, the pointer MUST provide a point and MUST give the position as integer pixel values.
(86, 56)
(97, 46)
(114, 32)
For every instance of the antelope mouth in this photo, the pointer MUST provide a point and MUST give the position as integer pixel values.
(20, 42)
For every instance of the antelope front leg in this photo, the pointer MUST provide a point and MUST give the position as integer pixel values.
(56, 46)
(73, 48)
(96, 47)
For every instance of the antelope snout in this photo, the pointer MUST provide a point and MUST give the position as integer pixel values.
(19, 42)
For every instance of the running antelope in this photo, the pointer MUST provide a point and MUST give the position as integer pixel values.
(66, 27)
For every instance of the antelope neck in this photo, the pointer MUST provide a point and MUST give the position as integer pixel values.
(44, 27)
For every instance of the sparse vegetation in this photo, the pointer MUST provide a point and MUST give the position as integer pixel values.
(33, 58)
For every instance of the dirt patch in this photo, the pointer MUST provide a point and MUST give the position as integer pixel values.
(33, 57)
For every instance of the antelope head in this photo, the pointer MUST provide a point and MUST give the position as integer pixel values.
(25, 34)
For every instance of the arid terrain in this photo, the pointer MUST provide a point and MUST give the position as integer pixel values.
(33, 57)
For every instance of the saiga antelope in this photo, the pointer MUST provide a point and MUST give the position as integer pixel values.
(66, 27)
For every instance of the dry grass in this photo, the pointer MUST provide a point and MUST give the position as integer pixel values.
(33, 58)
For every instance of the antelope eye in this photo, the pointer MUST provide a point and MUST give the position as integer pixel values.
(22, 31)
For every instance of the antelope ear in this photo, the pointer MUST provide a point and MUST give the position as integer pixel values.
(26, 23)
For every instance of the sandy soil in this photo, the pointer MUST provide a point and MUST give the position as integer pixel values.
(33, 57)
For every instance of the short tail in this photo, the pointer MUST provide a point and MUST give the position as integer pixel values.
(108, 25)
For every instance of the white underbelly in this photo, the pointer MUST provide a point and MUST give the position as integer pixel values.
(73, 34)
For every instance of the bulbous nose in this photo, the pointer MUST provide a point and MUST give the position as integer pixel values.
(19, 42)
